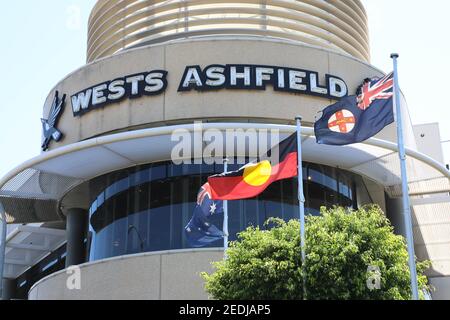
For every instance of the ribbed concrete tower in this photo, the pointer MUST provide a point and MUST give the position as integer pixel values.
(339, 25)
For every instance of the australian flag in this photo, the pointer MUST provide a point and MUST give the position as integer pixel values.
(357, 118)
(201, 231)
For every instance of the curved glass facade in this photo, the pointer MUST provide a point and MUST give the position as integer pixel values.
(146, 208)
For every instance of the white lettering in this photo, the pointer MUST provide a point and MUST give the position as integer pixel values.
(134, 80)
(192, 77)
(296, 80)
(315, 85)
(215, 76)
(154, 82)
(262, 75)
(116, 90)
(80, 102)
(337, 87)
(98, 96)
(281, 81)
(234, 76)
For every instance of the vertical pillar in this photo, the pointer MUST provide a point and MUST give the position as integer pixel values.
(76, 233)
(3, 231)
(9, 289)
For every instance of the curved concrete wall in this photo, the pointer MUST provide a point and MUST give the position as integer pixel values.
(118, 25)
(173, 275)
(173, 107)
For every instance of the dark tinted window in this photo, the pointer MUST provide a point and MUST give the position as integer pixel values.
(146, 208)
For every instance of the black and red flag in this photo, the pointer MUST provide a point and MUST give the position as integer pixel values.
(252, 179)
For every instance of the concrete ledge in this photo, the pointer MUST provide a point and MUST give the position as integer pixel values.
(166, 275)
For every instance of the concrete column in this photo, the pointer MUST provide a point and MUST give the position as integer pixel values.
(9, 289)
(77, 220)
(394, 212)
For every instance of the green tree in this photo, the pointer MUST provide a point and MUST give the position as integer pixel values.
(347, 252)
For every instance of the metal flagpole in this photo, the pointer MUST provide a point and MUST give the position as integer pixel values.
(406, 205)
(301, 195)
(225, 215)
(2, 247)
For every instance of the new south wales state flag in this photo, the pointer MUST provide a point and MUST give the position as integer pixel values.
(357, 118)
(252, 179)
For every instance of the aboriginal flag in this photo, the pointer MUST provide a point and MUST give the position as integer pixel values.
(252, 179)
(357, 118)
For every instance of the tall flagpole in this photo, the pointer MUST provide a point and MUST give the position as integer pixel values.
(301, 196)
(405, 192)
(225, 215)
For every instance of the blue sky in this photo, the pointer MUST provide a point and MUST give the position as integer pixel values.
(42, 41)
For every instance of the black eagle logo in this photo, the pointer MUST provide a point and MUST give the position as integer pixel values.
(49, 125)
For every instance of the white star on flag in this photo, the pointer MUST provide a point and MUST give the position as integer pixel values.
(213, 208)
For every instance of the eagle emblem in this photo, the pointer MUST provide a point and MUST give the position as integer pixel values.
(49, 125)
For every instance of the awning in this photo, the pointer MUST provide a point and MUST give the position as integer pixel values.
(32, 191)
(27, 245)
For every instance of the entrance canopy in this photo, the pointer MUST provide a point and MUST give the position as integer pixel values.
(32, 192)
(27, 245)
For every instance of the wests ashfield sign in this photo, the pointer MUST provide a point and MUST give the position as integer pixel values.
(257, 77)
(213, 77)
(132, 86)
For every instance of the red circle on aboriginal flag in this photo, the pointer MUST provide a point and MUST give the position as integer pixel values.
(342, 121)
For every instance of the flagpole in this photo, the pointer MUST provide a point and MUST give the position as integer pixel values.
(225, 215)
(301, 197)
(405, 192)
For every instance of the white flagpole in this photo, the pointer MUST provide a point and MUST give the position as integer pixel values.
(225, 216)
(301, 195)
(405, 192)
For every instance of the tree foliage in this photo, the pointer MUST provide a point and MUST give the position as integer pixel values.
(341, 246)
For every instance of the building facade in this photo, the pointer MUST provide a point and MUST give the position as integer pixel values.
(104, 193)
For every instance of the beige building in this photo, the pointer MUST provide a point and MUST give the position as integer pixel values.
(104, 192)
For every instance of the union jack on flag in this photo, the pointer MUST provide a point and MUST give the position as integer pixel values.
(375, 89)
(205, 190)
(201, 229)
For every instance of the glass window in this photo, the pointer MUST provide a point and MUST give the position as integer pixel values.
(147, 207)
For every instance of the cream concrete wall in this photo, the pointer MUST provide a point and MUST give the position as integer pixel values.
(442, 288)
(428, 138)
(150, 276)
(175, 107)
